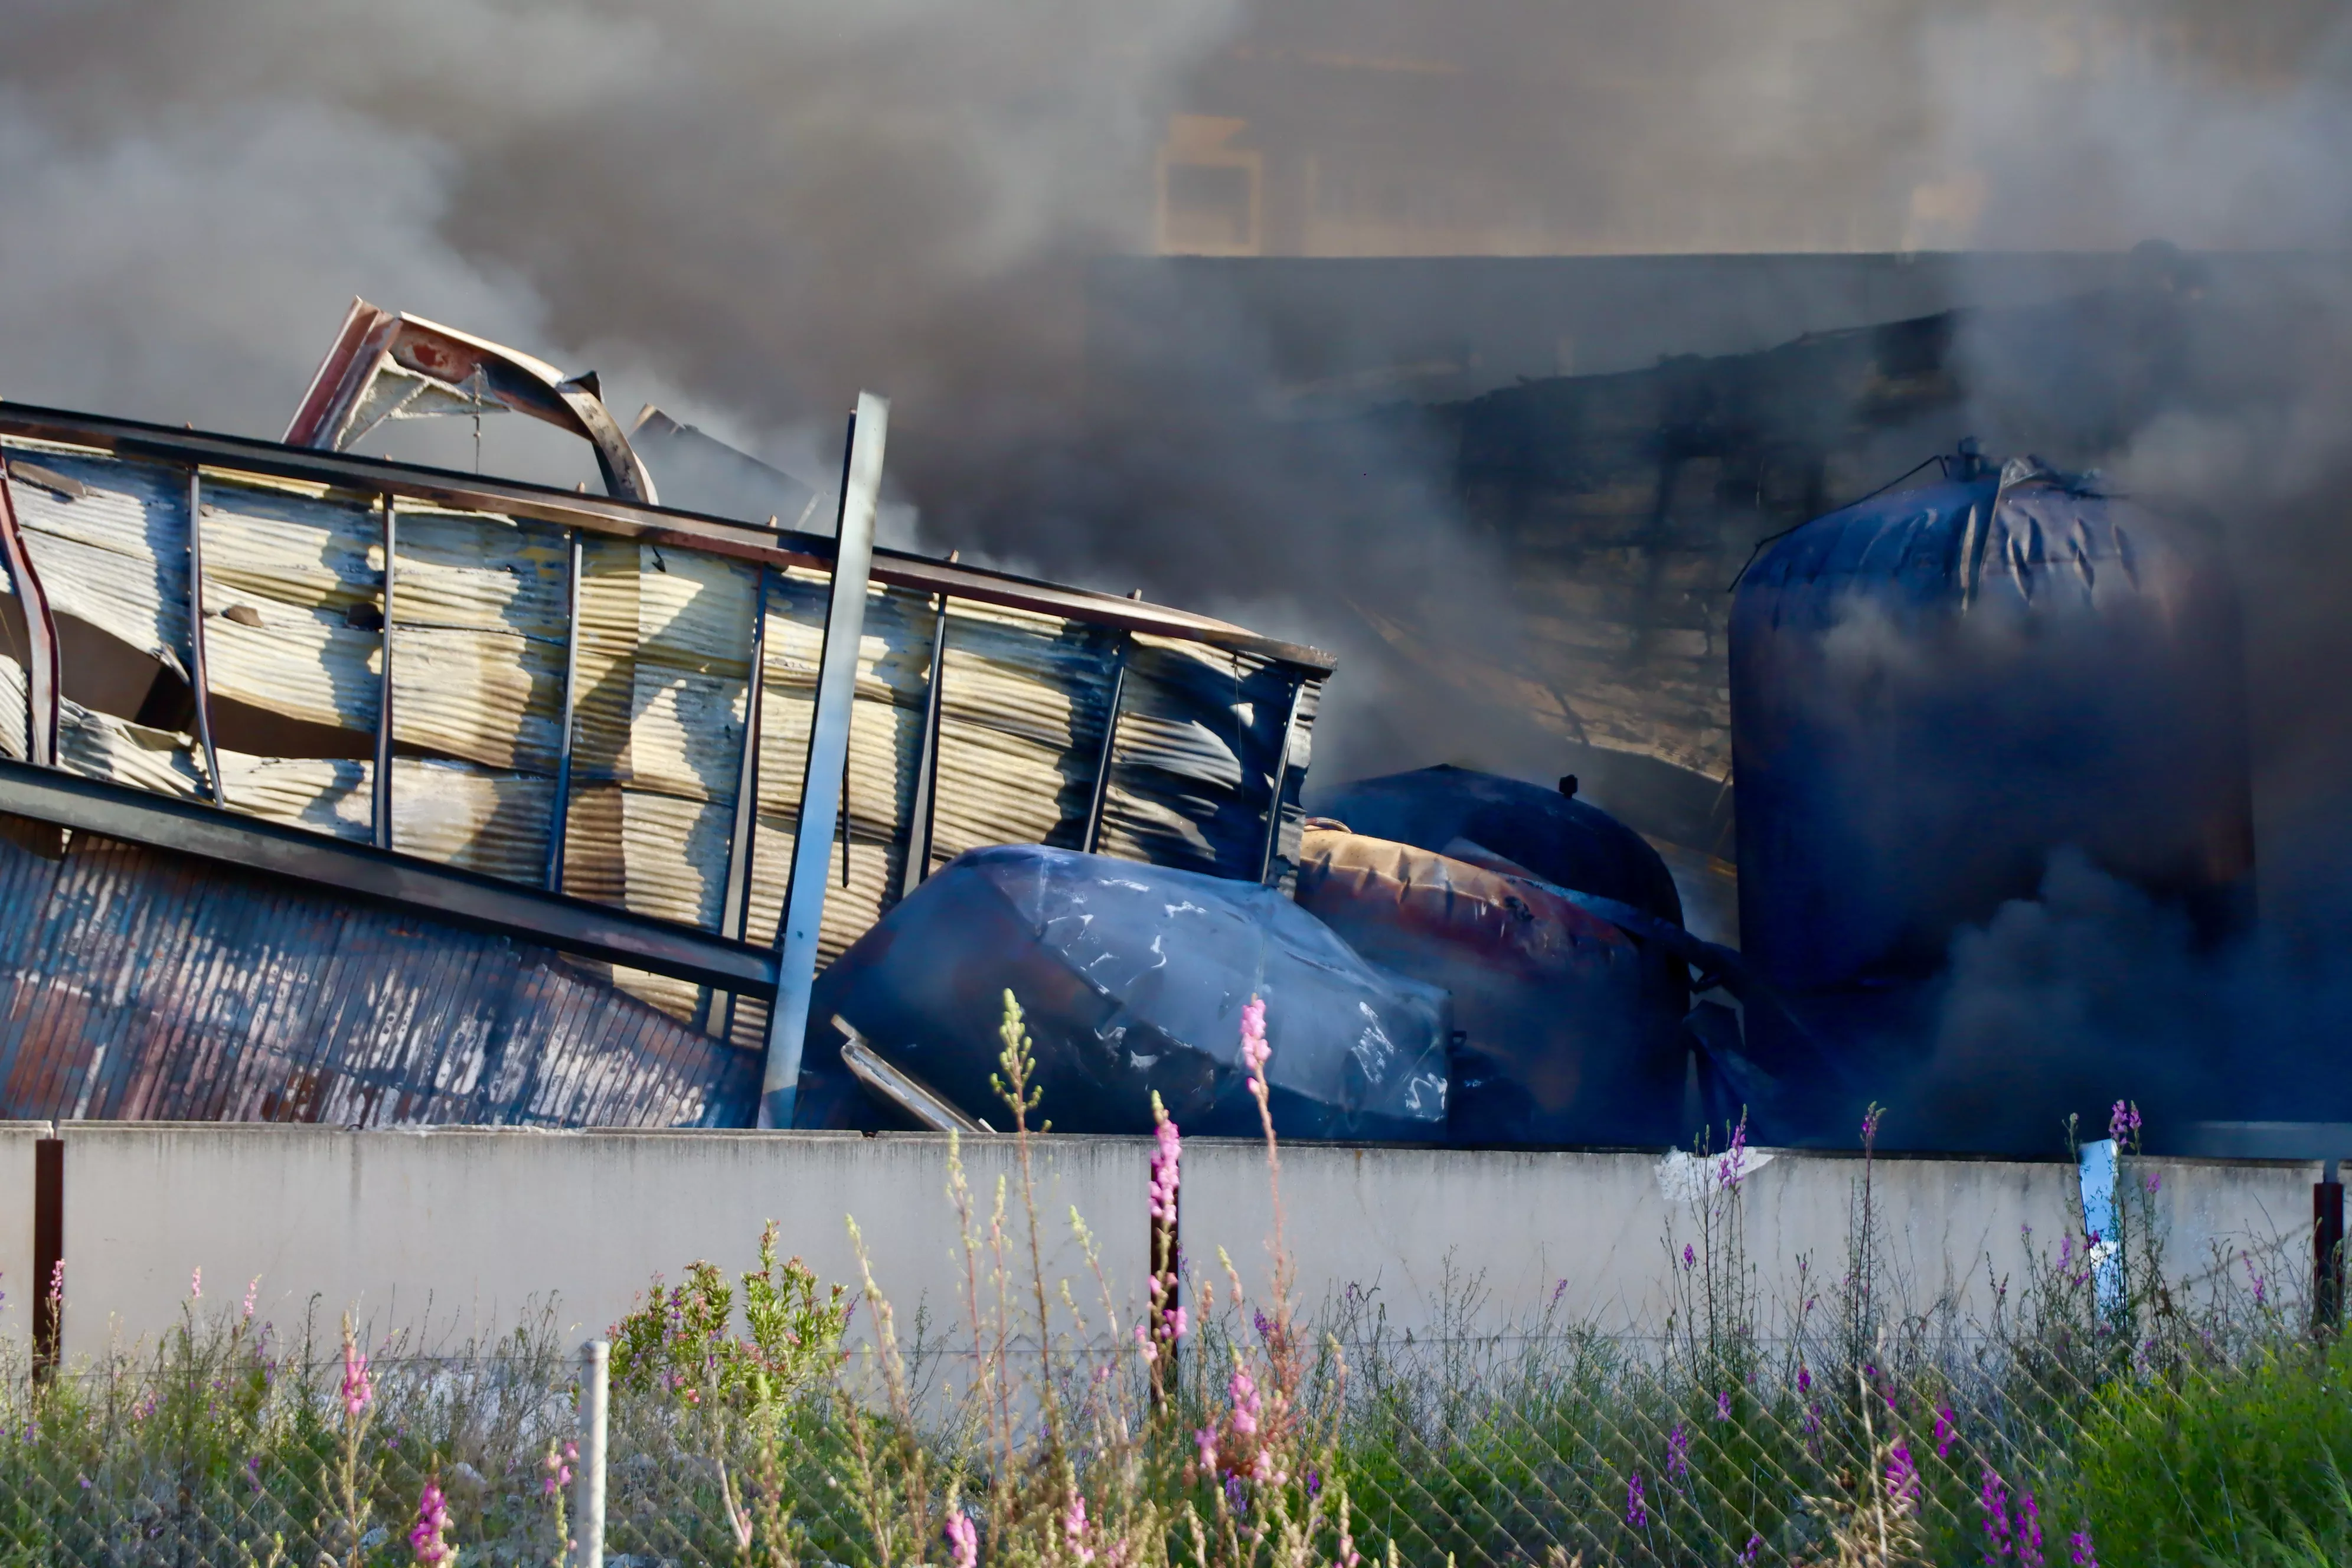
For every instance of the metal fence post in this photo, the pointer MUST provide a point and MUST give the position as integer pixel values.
(588, 1480)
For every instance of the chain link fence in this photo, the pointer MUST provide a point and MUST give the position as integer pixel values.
(2110, 1392)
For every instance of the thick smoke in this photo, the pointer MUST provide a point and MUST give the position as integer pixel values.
(749, 209)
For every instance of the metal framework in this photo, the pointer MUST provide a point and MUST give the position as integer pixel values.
(719, 960)
(363, 871)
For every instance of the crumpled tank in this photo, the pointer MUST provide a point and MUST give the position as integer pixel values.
(1133, 979)
(1567, 1033)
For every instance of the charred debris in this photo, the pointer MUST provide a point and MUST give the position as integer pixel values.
(350, 791)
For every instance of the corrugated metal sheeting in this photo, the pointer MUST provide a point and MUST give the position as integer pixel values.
(293, 580)
(138, 984)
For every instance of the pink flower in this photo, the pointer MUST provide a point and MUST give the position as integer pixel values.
(1206, 1440)
(1246, 1403)
(196, 1285)
(1167, 1152)
(963, 1540)
(253, 1288)
(556, 1473)
(1729, 1173)
(358, 1391)
(1074, 1529)
(1902, 1478)
(1143, 1339)
(427, 1541)
(2154, 1182)
(1254, 1050)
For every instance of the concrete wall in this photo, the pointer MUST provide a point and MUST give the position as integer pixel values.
(464, 1231)
(1595, 1236)
(17, 1285)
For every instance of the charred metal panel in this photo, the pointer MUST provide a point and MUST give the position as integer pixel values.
(137, 984)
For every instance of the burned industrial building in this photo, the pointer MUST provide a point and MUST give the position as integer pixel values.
(402, 795)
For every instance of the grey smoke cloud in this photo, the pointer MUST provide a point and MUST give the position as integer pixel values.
(748, 209)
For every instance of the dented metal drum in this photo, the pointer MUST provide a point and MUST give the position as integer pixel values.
(1935, 691)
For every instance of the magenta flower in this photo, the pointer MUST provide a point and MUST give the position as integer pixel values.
(2080, 1551)
(1729, 1173)
(1678, 1452)
(1637, 1508)
(359, 1390)
(1690, 1258)
(556, 1469)
(428, 1541)
(963, 1540)
(1870, 1120)
(1246, 1403)
(2029, 1533)
(2153, 1182)
(1946, 1425)
(2123, 1122)
(1167, 1152)
(1992, 1502)
(1804, 1380)
(1254, 1050)
(1902, 1478)
(1748, 1553)
(1723, 1407)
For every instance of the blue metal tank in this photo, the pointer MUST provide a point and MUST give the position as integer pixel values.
(1936, 689)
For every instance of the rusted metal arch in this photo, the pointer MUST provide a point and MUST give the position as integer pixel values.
(372, 340)
(362, 871)
(615, 519)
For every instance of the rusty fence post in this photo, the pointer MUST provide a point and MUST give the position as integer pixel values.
(48, 1255)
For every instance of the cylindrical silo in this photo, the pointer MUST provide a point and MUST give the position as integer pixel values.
(1935, 691)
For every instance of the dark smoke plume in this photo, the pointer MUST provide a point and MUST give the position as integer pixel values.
(749, 209)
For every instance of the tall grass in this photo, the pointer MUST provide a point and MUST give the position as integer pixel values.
(2106, 1410)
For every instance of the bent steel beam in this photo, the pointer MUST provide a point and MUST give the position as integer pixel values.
(828, 758)
(43, 681)
(362, 871)
(199, 679)
(374, 343)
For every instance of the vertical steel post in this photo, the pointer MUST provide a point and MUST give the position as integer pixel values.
(588, 1480)
(2327, 1251)
(927, 766)
(48, 1254)
(735, 903)
(828, 754)
(1101, 793)
(559, 819)
(1281, 780)
(43, 682)
(197, 676)
(380, 805)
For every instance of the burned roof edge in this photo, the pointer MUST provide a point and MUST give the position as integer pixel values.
(628, 519)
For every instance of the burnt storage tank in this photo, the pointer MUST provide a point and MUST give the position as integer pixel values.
(1554, 927)
(1935, 691)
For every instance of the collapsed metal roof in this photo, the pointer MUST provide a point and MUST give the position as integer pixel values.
(555, 691)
